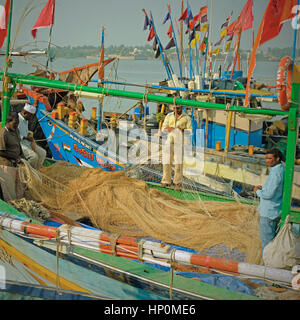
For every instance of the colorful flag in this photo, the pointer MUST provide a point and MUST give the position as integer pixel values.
(197, 18)
(246, 16)
(154, 45)
(184, 15)
(215, 51)
(203, 10)
(4, 21)
(66, 147)
(204, 27)
(146, 21)
(203, 44)
(227, 46)
(170, 31)
(170, 44)
(46, 17)
(189, 17)
(223, 33)
(167, 17)
(204, 18)
(101, 60)
(277, 12)
(151, 34)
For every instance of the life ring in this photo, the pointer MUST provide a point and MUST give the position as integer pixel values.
(283, 84)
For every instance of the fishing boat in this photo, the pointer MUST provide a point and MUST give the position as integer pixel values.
(64, 256)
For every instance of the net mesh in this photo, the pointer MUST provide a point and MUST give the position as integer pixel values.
(124, 205)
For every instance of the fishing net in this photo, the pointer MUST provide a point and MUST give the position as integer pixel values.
(123, 205)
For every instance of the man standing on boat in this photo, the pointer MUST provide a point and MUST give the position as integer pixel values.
(175, 125)
(34, 153)
(270, 195)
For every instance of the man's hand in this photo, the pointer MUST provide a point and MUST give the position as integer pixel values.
(169, 129)
(29, 138)
(257, 188)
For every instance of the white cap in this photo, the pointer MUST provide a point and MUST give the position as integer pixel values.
(29, 108)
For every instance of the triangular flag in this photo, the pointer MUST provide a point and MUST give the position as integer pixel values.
(227, 46)
(215, 51)
(4, 21)
(166, 18)
(223, 33)
(46, 17)
(203, 10)
(276, 13)
(157, 53)
(170, 44)
(151, 34)
(170, 32)
(204, 19)
(192, 44)
(154, 45)
(184, 15)
(204, 27)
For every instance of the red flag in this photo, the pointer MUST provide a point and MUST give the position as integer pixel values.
(245, 20)
(101, 61)
(203, 10)
(4, 22)
(276, 13)
(197, 18)
(184, 15)
(232, 28)
(170, 32)
(151, 34)
(46, 17)
(246, 16)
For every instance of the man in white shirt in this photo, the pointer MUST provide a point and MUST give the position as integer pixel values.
(34, 153)
(175, 123)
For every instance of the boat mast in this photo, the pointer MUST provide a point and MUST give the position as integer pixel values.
(49, 43)
(6, 80)
(181, 37)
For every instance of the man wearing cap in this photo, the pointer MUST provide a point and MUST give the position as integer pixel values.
(34, 153)
(175, 125)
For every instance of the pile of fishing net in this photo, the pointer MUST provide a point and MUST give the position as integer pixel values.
(127, 206)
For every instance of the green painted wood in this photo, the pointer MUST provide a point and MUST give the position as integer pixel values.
(5, 207)
(163, 277)
(290, 153)
(56, 84)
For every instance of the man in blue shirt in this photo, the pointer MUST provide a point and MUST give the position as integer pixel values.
(270, 195)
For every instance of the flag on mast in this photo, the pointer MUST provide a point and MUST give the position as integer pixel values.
(277, 12)
(4, 17)
(45, 19)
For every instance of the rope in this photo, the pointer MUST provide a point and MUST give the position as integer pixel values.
(172, 263)
(57, 260)
(113, 237)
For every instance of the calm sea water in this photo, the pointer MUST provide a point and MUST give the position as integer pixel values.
(130, 71)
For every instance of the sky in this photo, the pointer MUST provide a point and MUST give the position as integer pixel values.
(79, 22)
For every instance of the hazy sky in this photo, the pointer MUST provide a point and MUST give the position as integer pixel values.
(79, 22)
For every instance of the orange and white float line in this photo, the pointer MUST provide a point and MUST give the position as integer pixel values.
(144, 250)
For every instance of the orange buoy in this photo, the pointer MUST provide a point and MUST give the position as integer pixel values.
(284, 85)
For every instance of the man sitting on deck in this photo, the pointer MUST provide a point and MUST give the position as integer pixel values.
(270, 195)
(34, 153)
